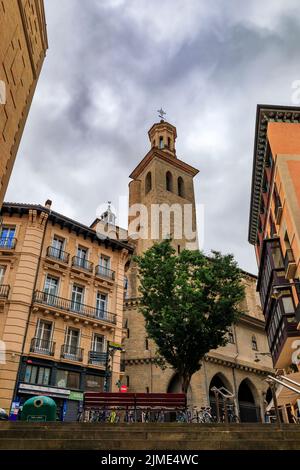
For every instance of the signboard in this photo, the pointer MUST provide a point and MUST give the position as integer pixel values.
(123, 388)
(117, 346)
(47, 391)
(75, 396)
(36, 418)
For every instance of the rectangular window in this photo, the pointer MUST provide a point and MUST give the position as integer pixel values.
(94, 383)
(43, 336)
(7, 236)
(104, 261)
(37, 375)
(72, 341)
(98, 343)
(288, 305)
(77, 297)
(51, 285)
(68, 379)
(82, 256)
(101, 304)
(58, 243)
(2, 274)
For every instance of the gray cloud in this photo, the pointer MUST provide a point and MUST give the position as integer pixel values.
(112, 63)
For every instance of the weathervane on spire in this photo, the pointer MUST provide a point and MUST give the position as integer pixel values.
(161, 113)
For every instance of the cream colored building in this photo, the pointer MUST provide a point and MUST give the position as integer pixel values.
(23, 45)
(240, 366)
(61, 298)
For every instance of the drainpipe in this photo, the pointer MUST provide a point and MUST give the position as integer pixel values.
(236, 404)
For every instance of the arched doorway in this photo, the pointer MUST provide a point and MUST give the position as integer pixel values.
(249, 412)
(218, 381)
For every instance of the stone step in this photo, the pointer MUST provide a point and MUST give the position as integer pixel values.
(129, 444)
(150, 434)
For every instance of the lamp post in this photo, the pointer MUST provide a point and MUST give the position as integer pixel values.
(110, 350)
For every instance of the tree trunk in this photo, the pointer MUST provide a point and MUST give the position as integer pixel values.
(186, 379)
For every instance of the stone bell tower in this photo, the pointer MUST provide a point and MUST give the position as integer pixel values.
(162, 191)
(163, 186)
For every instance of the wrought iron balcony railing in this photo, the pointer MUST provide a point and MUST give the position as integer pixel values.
(97, 358)
(8, 243)
(82, 263)
(57, 254)
(42, 346)
(73, 353)
(105, 272)
(4, 291)
(72, 306)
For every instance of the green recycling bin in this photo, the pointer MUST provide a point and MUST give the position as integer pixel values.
(39, 409)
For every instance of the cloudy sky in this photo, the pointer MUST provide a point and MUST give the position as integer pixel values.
(112, 63)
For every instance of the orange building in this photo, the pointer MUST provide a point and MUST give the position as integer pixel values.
(23, 45)
(61, 307)
(274, 227)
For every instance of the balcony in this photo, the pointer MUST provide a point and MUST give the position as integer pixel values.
(72, 353)
(97, 358)
(7, 244)
(73, 307)
(104, 272)
(42, 346)
(82, 263)
(58, 255)
(4, 291)
(278, 209)
(290, 265)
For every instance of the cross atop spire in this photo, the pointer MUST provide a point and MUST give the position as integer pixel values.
(161, 113)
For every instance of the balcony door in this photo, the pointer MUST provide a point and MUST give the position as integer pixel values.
(72, 343)
(51, 290)
(82, 256)
(43, 337)
(97, 354)
(2, 274)
(57, 247)
(77, 298)
(104, 265)
(101, 305)
(7, 237)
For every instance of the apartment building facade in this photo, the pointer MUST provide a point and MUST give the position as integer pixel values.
(274, 227)
(61, 296)
(23, 45)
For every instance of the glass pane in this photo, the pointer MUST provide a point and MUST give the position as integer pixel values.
(33, 375)
(73, 380)
(46, 376)
(2, 272)
(288, 305)
(27, 374)
(61, 378)
(41, 375)
(94, 382)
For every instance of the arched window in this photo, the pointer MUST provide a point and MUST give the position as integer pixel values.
(148, 182)
(169, 181)
(161, 142)
(254, 343)
(180, 185)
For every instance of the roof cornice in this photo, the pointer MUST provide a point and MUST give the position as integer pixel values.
(264, 114)
(155, 152)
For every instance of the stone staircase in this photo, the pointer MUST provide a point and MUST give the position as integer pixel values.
(147, 436)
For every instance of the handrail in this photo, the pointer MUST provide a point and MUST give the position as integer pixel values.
(275, 379)
(226, 394)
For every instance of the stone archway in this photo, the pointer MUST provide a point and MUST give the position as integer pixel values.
(218, 380)
(249, 408)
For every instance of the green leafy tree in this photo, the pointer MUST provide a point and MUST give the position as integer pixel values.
(188, 301)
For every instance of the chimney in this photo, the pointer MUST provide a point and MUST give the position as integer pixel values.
(48, 204)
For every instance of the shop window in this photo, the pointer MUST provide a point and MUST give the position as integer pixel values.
(94, 383)
(37, 375)
(68, 379)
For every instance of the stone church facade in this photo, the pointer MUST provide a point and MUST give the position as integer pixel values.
(242, 365)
